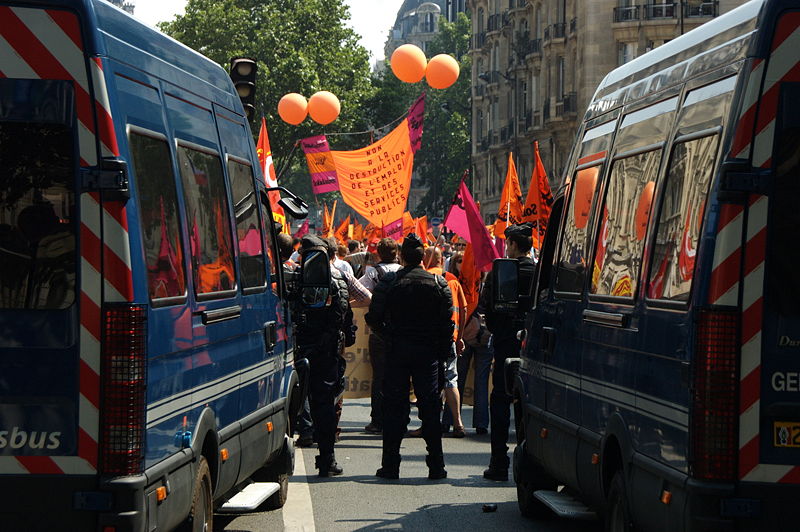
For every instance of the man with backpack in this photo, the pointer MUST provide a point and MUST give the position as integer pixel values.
(387, 253)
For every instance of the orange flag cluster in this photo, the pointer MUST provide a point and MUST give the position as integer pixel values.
(538, 202)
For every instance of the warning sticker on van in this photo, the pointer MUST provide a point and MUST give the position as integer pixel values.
(787, 434)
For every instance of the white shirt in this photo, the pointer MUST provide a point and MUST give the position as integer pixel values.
(370, 277)
(343, 266)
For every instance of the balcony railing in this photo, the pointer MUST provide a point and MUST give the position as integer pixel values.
(573, 25)
(567, 105)
(536, 120)
(505, 133)
(559, 30)
(493, 23)
(706, 9)
(626, 14)
(479, 90)
(484, 144)
(547, 33)
(660, 11)
(546, 110)
(479, 40)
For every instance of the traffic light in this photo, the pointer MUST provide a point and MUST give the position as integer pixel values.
(243, 74)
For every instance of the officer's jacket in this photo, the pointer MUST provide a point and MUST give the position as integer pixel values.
(412, 306)
(323, 327)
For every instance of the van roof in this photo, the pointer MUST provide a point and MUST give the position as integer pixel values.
(714, 34)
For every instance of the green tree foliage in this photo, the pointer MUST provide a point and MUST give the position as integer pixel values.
(301, 47)
(445, 152)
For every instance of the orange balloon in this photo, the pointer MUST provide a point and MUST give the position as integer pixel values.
(324, 107)
(643, 210)
(585, 184)
(442, 71)
(408, 63)
(293, 108)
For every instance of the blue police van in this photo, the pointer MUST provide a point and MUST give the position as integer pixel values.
(658, 380)
(146, 367)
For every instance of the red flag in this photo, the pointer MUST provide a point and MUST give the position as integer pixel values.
(510, 210)
(539, 200)
(268, 169)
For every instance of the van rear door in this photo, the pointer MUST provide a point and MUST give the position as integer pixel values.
(769, 422)
(39, 321)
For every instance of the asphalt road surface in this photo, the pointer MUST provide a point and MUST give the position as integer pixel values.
(360, 501)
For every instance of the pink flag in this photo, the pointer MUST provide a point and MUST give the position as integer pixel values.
(465, 219)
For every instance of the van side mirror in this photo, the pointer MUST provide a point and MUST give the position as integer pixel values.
(315, 279)
(294, 206)
(505, 285)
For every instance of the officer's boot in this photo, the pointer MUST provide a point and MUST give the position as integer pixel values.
(436, 469)
(390, 466)
(327, 466)
(498, 469)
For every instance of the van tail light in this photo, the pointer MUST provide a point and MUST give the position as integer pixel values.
(715, 411)
(123, 381)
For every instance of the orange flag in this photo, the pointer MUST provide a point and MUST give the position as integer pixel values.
(470, 279)
(422, 227)
(329, 232)
(327, 221)
(510, 210)
(341, 231)
(539, 201)
(268, 169)
(409, 225)
(358, 232)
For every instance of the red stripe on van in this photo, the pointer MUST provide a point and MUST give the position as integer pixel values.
(751, 320)
(90, 247)
(756, 251)
(769, 106)
(68, 23)
(744, 130)
(725, 276)
(105, 123)
(787, 25)
(792, 477)
(117, 210)
(40, 465)
(748, 457)
(90, 384)
(750, 390)
(90, 316)
(727, 214)
(117, 273)
(87, 447)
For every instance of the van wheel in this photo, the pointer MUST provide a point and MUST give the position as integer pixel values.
(278, 471)
(618, 517)
(201, 516)
(530, 477)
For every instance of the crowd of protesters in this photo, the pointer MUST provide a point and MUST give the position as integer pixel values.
(363, 268)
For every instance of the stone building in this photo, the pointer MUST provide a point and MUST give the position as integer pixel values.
(417, 22)
(128, 7)
(536, 64)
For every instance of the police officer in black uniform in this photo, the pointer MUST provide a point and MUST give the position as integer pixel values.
(504, 327)
(320, 339)
(412, 311)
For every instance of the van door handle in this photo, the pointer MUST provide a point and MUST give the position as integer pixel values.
(613, 319)
(270, 335)
(221, 314)
(547, 343)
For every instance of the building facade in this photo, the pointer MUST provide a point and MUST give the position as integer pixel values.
(535, 67)
(417, 22)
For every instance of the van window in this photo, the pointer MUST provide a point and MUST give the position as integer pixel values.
(37, 215)
(208, 220)
(688, 177)
(158, 216)
(623, 225)
(572, 259)
(248, 232)
(783, 253)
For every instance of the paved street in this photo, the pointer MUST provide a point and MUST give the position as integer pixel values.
(360, 501)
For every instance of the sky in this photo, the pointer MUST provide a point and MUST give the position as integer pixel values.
(371, 19)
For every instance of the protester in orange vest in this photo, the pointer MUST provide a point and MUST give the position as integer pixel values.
(433, 263)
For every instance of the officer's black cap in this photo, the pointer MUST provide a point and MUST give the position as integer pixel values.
(411, 241)
(519, 230)
(309, 242)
